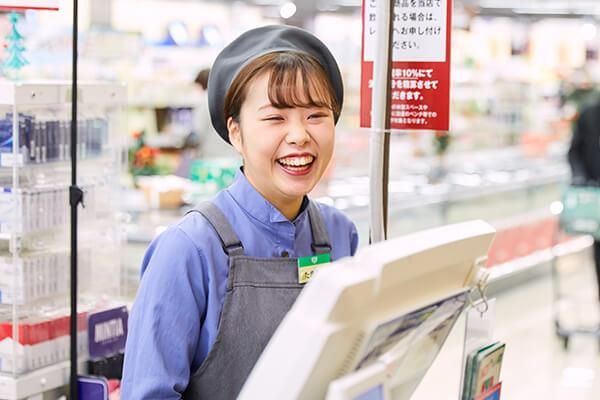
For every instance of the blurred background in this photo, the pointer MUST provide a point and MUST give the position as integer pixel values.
(522, 71)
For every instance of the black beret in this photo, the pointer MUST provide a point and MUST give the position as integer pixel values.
(253, 44)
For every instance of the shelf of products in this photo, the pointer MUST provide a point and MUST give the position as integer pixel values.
(35, 174)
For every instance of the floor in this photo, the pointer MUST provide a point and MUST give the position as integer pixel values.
(535, 365)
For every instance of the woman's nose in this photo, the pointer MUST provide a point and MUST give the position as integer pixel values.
(297, 133)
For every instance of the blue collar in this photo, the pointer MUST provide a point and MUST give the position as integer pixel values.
(255, 205)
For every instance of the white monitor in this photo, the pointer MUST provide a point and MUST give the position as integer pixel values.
(368, 327)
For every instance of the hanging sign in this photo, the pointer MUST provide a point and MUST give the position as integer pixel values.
(29, 5)
(420, 78)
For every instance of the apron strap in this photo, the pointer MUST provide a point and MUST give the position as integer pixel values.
(320, 242)
(231, 244)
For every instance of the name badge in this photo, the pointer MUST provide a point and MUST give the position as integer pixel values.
(308, 265)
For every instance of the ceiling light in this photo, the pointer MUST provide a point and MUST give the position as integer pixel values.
(178, 32)
(589, 31)
(287, 10)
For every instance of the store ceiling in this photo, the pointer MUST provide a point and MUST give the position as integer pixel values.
(311, 6)
(559, 8)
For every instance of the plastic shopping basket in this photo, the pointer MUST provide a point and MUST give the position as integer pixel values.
(581, 211)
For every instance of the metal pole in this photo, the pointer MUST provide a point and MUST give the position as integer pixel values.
(75, 197)
(380, 122)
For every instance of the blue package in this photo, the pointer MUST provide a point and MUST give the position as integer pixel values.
(6, 135)
(96, 138)
(25, 138)
(35, 154)
(50, 141)
(55, 140)
(24, 129)
(67, 139)
(44, 141)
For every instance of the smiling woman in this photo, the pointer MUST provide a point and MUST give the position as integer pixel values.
(280, 112)
(227, 274)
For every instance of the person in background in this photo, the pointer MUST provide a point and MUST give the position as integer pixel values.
(211, 145)
(584, 159)
(216, 285)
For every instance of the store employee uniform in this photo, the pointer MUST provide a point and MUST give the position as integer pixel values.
(216, 285)
(192, 272)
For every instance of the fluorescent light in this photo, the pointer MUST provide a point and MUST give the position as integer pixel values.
(287, 10)
(532, 10)
(589, 31)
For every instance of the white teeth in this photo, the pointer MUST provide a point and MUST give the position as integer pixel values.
(297, 161)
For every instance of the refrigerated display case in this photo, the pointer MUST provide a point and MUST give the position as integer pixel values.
(512, 192)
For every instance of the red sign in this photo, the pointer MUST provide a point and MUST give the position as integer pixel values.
(29, 5)
(420, 82)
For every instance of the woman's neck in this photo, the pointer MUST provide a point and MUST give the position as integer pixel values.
(288, 207)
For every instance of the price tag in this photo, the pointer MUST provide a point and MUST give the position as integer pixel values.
(9, 160)
(308, 265)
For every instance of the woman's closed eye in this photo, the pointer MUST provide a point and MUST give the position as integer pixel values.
(273, 118)
(318, 115)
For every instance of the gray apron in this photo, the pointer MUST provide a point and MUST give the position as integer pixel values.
(260, 291)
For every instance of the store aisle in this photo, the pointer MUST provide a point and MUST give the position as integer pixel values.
(535, 365)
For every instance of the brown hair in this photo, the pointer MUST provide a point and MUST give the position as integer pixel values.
(289, 71)
(202, 78)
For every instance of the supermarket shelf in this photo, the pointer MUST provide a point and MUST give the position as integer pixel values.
(35, 93)
(54, 167)
(55, 239)
(36, 382)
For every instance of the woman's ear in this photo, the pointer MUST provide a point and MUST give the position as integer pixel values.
(235, 134)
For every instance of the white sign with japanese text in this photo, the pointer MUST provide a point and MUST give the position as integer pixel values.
(419, 30)
(420, 70)
(29, 4)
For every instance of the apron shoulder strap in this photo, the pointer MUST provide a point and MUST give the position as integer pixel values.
(229, 240)
(320, 242)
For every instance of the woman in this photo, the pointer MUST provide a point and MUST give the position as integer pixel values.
(217, 284)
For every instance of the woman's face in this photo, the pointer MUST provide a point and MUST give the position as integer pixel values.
(285, 151)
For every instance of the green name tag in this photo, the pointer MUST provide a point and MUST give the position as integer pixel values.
(308, 265)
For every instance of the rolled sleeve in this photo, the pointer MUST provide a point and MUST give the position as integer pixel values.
(165, 321)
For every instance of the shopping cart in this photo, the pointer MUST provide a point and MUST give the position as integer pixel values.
(580, 215)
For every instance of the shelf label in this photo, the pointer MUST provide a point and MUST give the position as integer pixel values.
(420, 76)
(107, 331)
(29, 5)
(9, 160)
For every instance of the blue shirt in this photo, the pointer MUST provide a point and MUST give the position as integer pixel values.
(173, 323)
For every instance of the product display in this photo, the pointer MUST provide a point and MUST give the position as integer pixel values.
(34, 228)
(48, 140)
(482, 375)
(38, 276)
(43, 340)
(42, 208)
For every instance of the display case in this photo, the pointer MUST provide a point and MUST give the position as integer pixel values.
(514, 193)
(35, 175)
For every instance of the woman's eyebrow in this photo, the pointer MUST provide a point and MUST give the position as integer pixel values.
(268, 105)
